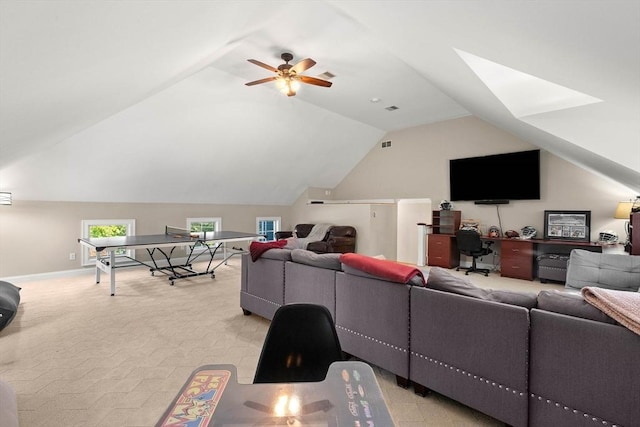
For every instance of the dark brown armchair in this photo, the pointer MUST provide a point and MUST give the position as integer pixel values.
(339, 238)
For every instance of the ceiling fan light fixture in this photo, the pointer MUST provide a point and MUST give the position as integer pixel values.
(288, 85)
(289, 77)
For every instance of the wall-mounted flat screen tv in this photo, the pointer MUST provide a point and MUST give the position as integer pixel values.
(497, 178)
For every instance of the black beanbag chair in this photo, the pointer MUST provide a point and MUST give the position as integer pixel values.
(9, 300)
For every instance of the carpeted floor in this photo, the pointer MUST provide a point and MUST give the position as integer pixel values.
(79, 357)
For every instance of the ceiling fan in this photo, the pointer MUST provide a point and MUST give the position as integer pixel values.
(288, 76)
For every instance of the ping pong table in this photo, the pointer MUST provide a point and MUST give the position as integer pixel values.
(199, 246)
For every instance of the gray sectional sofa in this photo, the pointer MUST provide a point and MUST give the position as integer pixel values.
(523, 358)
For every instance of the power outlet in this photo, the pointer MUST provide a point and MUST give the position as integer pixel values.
(72, 256)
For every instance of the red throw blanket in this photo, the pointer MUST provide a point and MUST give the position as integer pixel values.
(382, 268)
(256, 249)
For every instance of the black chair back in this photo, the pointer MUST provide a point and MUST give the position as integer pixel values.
(469, 242)
(301, 344)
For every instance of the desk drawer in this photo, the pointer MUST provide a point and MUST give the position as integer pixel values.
(516, 259)
(443, 251)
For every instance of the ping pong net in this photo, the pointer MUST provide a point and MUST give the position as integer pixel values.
(180, 232)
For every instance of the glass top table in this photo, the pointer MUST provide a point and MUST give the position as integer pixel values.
(211, 396)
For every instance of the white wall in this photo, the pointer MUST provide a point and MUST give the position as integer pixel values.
(37, 237)
(375, 224)
(417, 165)
(410, 213)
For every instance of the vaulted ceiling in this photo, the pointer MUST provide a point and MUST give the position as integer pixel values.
(144, 101)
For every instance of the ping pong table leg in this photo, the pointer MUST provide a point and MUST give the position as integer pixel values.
(112, 271)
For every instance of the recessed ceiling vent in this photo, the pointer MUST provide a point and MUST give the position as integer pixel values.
(391, 108)
(327, 75)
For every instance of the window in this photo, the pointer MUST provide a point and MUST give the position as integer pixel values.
(94, 228)
(267, 226)
(202, 225)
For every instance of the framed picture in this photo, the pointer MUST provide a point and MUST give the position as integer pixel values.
(567, 225)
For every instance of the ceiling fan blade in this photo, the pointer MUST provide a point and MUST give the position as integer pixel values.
(263, 65)
(314, 81)
(265, 80)
(305, 64)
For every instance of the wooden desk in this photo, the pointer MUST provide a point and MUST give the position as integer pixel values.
(211, 396)
(517, 256)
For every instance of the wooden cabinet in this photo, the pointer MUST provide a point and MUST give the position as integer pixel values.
(634, 233)
(445, 222)
(443, 251)
(516, 259)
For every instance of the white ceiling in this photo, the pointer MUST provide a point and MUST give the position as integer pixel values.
(144, 101)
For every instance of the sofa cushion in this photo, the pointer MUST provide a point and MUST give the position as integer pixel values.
(571, 304)
(302, 230)
(441, 280)
(9, 301)
(256, 249)
(279, 254)
(522, 299)
(329, 261)
(610, 271)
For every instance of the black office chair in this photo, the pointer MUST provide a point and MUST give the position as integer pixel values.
(300, 345)
(470, 244)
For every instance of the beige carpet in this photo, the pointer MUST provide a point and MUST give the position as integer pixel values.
(79, 357)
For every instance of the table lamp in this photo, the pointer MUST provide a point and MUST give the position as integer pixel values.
(623, 211)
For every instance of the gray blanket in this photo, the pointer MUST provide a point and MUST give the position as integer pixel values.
(316, 234)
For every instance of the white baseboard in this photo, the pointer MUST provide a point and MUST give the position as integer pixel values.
(50, 275)
(89, 270)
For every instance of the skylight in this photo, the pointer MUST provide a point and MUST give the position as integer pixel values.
(524, 94)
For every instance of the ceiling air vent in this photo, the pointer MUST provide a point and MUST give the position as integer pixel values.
(327, 75)
(392, 108)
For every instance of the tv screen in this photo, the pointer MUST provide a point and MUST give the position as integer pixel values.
(500, 177)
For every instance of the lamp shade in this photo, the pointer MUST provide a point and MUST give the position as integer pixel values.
(5, 198)
(623, 211)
